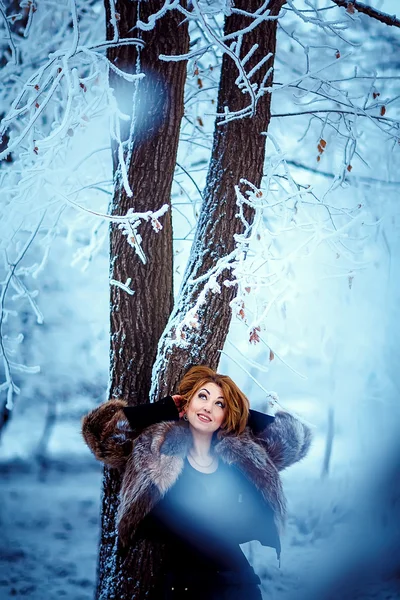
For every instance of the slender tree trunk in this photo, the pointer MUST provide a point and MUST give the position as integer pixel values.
(138, 321)
(238, 151)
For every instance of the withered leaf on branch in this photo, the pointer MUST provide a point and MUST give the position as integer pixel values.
(254, 338)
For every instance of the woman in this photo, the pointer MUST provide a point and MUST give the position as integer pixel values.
(202, 485)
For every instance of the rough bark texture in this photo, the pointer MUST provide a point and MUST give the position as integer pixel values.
(138, 321)
(238, 151)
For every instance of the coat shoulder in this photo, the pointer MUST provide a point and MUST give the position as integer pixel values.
(286, 440)
(107, 433)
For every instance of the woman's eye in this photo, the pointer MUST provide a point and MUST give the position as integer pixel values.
(202, 396)
(221, 404)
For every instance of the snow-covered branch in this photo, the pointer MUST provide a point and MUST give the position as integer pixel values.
(353, 5)
(290, 226)
(11, 279)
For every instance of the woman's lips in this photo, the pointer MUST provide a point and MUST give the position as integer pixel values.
(204, 418)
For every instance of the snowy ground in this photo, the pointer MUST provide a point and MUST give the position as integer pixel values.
(49, 531)
(49, 524)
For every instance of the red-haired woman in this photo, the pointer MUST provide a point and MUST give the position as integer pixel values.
(202, 481)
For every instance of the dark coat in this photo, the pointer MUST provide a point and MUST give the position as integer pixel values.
(152, 459)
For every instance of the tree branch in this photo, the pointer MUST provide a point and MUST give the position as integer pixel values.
(353, 5)
(329, 175)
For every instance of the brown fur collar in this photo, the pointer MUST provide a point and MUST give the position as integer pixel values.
(157, 460)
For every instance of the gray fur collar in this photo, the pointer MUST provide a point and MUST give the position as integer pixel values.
(158, 458)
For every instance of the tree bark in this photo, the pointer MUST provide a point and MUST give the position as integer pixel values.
(138, 321)
(238, 151)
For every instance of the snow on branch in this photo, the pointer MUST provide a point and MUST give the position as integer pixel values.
(131, 222)
(168, 5)
(353, 5)
(13, 279)
(290, 226)
(42, 88)
(202, 15)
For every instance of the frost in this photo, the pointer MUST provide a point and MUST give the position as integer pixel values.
(123, 286)
(131, 222)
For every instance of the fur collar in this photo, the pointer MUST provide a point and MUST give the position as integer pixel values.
(157, 460)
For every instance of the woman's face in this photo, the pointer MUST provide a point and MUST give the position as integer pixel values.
(206, 411)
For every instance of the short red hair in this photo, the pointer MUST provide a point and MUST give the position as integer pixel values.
(236, 402)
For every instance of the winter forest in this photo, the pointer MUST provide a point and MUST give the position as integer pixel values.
(200, 182)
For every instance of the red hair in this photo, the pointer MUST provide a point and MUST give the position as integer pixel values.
(236, 402)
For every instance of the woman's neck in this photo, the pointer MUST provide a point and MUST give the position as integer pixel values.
(201, 443)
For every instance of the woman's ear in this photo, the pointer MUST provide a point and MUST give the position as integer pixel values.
(181, 404)
(179, 401)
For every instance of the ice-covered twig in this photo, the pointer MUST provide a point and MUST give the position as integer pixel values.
(9, 365)
(123, 286)
(370, 11)
(8, 29)
(272, 397)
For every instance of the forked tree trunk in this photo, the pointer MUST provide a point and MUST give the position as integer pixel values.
(137, 322)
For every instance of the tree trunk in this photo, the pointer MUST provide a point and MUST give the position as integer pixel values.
(138, 321)
(238, 151)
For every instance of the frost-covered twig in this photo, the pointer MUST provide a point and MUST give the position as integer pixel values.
(123, 286)
(354, 5)
(9, 365)
(271, 397)
(10, 36)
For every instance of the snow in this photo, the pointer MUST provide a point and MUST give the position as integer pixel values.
(49, 525)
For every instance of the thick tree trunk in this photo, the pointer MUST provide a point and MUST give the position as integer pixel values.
(138, 321)
(238, 151)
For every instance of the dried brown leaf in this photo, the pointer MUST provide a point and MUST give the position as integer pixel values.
(254, 338)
